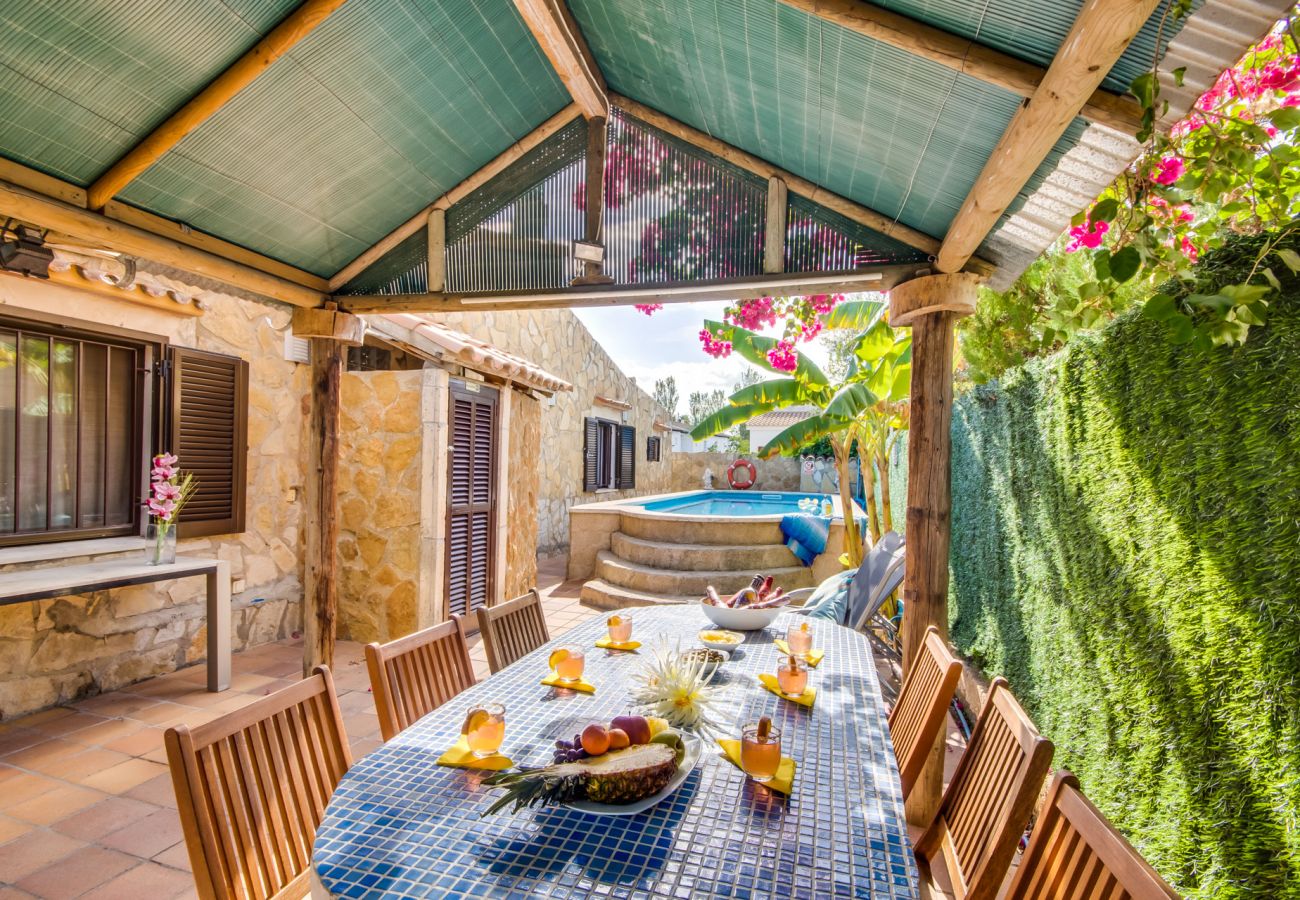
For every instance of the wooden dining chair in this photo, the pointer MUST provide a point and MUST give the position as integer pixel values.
(1076, 854)
(512, 629)
(416, 674)
(252, 788)
(973, 838)
(918, 716)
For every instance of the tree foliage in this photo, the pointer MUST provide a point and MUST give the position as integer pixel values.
(666, 395)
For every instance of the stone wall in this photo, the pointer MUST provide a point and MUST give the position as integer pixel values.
(523, 441)
(557, 341)
(60, 649)
(780, 473)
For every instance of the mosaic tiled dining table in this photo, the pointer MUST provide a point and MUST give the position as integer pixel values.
(401, 826)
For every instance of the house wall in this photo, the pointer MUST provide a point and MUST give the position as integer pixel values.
(558, 342)
(68, 647)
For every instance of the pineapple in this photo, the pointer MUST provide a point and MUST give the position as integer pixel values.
(622, 776)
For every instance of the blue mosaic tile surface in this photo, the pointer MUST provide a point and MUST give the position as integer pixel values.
(401, 826)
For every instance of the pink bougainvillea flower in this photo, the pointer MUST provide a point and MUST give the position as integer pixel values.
(1171, 169)
(1189, 249)
(782, 357)
(1089, 234)
(714, 347)
(649, 308)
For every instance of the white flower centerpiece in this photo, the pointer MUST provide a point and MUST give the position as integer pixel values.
(676, 688)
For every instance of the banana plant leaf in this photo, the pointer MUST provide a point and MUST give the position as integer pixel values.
(799, 434)
(777, 392)
(902, 383)
(754, 347)
(727, 417)
(850, 402)
(875, 343)
(853, 314)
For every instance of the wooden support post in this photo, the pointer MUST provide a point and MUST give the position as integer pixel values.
(593, 272)
(437, 250)
(930, 305)
(321, 569)
(774, 238)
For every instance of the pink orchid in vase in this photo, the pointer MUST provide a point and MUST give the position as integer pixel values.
(169, 491)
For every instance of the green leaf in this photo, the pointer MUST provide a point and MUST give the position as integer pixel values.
(1291, 258)
(902, 383)
(853, 314)
(799, 434)
(1089, 290)
(1245, 293)
(1159, 307)
(1105, 210)
(1217, 302)
(1179, 73)
(1286, 118)
(1101, 263)
(1144, 87)
(1079, 218)
(875, 342)
(775, 392)
(1272, 279)
(849, 402)
(727, 417)
(1183, 329)
(1125, 263)
(754, 347)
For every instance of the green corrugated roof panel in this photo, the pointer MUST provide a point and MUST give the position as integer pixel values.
(1032, 30)
(82, 82)
(899, 134)
(387, 105)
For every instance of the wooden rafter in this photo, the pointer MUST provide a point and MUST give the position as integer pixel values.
(1100, 34)
(456, 194)
(878, 278)
(562, 42)
(207, 102)
(965, 56)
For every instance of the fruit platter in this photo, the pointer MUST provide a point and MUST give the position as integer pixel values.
(617, 770)
(749, 609)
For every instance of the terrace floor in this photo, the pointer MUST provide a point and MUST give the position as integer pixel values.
(86, 802)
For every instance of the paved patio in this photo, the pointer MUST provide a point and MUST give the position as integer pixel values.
(86, 803)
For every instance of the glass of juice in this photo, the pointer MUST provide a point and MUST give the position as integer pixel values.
(799, 638)
(568, 662)
(760, 750)
(620, 629)
(485, 729)
(792, 676)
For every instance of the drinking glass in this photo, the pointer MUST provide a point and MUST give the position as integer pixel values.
(570, 668)
(759, 759)
(485, 739)
(620, 629)
(799, 639)
(792, 677)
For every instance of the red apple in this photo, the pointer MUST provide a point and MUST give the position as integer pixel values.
(637, 728)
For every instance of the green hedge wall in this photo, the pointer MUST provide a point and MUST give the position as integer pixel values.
(1126, 550)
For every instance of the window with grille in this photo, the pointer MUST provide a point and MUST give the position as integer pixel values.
(652, 449)
(609, 455)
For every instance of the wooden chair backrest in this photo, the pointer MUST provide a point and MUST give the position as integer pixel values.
(252, 788)
(987, 805)
(1076, 854)
(414, 675)
(512, 629)
(918, 716)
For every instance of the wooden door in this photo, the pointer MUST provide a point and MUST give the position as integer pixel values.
(471, 496)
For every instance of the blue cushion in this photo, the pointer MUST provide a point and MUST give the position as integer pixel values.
(830, 600)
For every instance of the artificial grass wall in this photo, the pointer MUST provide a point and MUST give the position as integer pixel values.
(1126, 550)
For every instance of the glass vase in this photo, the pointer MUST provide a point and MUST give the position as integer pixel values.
(160, 544)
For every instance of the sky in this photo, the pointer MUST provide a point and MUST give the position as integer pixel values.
(668, 343)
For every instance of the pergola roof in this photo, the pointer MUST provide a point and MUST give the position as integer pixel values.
(374, 109)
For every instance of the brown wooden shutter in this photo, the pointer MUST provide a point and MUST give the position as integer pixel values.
(625, 465)
(590, 453)
(208, 431)
(472, 497)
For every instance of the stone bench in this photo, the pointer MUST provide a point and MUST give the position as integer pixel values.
(42, 584)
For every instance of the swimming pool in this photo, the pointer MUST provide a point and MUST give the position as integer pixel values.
(735, 504)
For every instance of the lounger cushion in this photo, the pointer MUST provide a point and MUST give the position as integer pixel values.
(831, 598)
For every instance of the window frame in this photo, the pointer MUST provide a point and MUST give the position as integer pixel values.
(151, 348)
(607, 455)
(654, 448)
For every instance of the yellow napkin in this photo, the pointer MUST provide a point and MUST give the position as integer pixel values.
(553, 680)
(805, 699)
(783, 781)
(812, 657)
(606, 644)
(461, 757)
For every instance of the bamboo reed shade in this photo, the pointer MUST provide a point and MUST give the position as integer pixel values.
(820, 240)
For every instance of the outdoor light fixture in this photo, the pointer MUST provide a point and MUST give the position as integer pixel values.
(26, 252)
(589, 251)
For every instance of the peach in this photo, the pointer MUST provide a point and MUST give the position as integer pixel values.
(595, 740)
(618, 739)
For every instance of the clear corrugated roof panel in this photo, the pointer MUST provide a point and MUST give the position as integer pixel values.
(386, 106)
(82, 82)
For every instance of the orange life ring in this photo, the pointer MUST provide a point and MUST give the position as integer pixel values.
(731, 474)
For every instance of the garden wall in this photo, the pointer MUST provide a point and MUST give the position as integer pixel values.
(1126, 550)
(781, 473)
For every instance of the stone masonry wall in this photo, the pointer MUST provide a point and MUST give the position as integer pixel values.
(524, 446)
(67, 647)
(557, 341)
(780, 473)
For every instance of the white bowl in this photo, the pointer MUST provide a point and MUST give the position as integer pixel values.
(743, 619)
(725, 646)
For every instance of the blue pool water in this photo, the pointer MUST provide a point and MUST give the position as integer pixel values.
(729, 503)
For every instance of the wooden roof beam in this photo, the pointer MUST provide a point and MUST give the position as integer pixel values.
(207, 102)
(856, 212)
(561, 40)
(455, 195)
(965, 56)
(877, 278)
(1099, 36)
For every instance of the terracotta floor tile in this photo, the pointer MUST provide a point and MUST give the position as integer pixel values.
(116, 704)
(176, 856)
(24, 787)
(54, 805)
(94, 822)
(158, 791)
(145, 740)
(12, 828)
(281, 669)
(19, 739)
(12, 893)
(76, 874)
(364, 746)
(249, 682)
(125, 776)
(194, 717)
(48, 715)
(106, 731)
(160, 713)
(149, 880)
(86, 764)
(33, 851)
(43, 753)
(65, 726)
(231, 701)
(147, 837)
